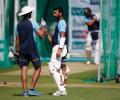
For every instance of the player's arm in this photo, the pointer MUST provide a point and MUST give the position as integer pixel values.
(43, 28)
(91, 22)
(43, 23)
(17, 44)
(50, 39)
(62, 40)
(61, 44)
(43, 31)
(62, 30)
(40, 32)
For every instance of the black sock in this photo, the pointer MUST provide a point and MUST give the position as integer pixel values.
(32, 89)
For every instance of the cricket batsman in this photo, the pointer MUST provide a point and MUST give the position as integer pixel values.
(59, 42)
(93, 22)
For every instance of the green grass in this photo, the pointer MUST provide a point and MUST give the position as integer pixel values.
(74, 78)
(73, 94)
(47, 86)
(17, 67)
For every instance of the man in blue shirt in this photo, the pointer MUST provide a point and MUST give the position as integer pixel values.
(27, 49)
(59, 42)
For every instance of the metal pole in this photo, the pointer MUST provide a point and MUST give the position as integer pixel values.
(109, 39)
(100, 41)
(118, 72)
(2, 29)
(16, 4)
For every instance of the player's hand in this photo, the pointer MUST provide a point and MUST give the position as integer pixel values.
(97, 16)
(47, 33)
(59, 52)
(16, 55)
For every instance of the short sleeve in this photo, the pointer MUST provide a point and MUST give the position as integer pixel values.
(86, 20)
(62, 26)
(35, 26)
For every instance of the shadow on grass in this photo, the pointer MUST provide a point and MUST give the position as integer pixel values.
(20, 95)
(50, 93)
(17, 95)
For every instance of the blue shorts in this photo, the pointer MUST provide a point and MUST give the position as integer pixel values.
(24, 59)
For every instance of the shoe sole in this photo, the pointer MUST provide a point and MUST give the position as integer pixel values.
(60, 95)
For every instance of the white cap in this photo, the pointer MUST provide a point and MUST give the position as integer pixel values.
(25, 10)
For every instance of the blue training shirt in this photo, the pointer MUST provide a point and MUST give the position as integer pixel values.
(60, 27)
(26, 30)
(35, 28)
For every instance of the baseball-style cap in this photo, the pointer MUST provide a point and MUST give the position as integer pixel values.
(26, 10)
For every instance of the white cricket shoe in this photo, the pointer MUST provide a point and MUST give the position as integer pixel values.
(88, 62)
(60, 93)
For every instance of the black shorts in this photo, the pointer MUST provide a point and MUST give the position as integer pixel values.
(24, 59)
(94, 35)
(63, 59)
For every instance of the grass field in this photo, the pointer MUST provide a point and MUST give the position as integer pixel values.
(77, 89)
(7, 93)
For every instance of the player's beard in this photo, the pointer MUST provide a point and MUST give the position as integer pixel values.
(57, 18)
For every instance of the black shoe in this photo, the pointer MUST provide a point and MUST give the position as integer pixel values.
(118, 78)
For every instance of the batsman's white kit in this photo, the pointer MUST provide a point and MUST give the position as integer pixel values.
(54, 66)
(98, 48)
